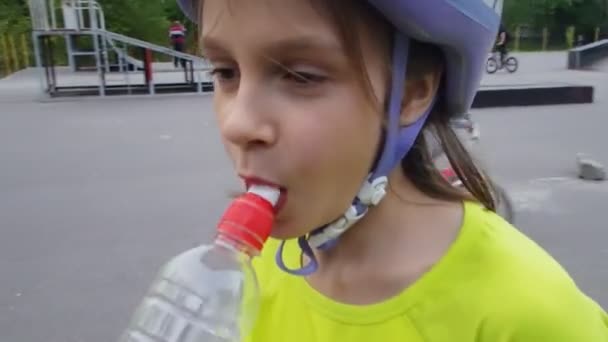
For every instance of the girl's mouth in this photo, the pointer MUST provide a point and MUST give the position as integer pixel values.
(249, 181)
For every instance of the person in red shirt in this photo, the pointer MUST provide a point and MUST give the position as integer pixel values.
(177, 35)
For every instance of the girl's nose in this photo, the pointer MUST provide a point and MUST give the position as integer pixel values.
(245, 121)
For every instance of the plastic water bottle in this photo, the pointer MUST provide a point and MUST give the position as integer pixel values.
(210, 293)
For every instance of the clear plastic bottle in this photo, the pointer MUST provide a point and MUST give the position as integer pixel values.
(210, 293)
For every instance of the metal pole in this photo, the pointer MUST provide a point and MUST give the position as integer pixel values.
(120, 63)
(148, 71)
(96, 36)
(127, 71)
(184, 64)
(104, 53)
(70, 47)
(99, 66)
(101, 25)
(52, 68)
(517, 37)
(199, 83)
(69, 5)
(46, 62)
(53, 15)
(45, 11)
(79, 8)
(191, 71)
(38, 59)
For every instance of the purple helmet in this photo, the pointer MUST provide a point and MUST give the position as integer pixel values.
(465, 31)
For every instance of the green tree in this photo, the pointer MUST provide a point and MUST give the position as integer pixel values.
(536, 13)
(142, 19)
(14, 16)
(555, 14)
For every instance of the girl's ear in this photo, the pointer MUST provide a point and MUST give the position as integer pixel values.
(419, 93)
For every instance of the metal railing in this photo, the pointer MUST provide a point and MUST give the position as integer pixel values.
(587, 55)
(74, 15)
(71, 18)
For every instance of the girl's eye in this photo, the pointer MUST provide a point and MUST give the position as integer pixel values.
(224, 74)
(304, 77)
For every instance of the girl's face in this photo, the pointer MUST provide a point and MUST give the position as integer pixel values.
(290, 106)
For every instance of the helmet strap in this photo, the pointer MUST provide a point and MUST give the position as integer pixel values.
(398, 141)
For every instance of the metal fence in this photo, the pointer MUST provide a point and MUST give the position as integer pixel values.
(526, 38)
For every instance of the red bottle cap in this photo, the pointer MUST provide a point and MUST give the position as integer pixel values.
(249, 220)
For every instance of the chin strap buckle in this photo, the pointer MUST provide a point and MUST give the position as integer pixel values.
(370, 194)
(336, 228)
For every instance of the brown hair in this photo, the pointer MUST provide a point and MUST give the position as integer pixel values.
(418, 165)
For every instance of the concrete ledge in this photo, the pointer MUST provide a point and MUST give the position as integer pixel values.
(585, 56)
(137, 89)
(532, 95)
(487, 97)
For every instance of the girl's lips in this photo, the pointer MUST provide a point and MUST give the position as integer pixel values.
(249, 181)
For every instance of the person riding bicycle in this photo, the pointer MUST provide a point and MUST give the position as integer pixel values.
(502, 43)
(327, 99)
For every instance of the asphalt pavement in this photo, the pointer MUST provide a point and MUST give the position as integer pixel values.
(98, 193)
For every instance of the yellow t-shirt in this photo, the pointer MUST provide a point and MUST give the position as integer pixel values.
(493, 285)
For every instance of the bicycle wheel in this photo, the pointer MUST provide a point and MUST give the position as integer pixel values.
(511, 64)
(491, 65)
(504, 204)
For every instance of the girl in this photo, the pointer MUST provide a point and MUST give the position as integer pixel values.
(326, 99)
